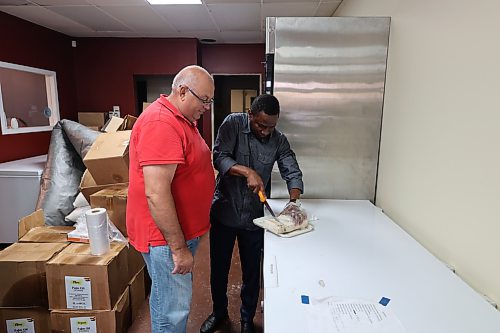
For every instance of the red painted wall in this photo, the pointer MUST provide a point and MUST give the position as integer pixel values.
(98, 73)
(105, 68)
(27, 44)
(233, 58)
(230, 59)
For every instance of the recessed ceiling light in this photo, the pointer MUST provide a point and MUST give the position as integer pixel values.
(175, 2)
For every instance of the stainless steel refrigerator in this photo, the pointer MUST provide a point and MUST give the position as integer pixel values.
(329, 75)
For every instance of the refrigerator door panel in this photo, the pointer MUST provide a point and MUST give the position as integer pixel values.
(329, 76)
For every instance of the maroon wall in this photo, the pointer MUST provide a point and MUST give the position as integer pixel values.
(105, 68)
(99, 72)
(230, 59)
(233, 58)
(27, 44)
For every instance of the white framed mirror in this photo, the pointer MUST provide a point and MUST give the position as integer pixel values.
(28, 99)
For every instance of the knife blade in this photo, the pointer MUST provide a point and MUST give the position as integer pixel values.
(263, 199)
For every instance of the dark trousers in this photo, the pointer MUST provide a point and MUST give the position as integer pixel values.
(250, 244)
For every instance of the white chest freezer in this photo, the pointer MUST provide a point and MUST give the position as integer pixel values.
(19, 188)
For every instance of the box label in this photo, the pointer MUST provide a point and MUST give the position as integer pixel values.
(83, 325)
(78, 293)
(22, 325)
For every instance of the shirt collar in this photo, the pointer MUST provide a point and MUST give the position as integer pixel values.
(166, 103)
(246, 128)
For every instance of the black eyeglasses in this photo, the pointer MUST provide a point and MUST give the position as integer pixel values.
(207, 101)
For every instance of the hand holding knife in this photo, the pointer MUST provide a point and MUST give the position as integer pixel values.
(263, 199)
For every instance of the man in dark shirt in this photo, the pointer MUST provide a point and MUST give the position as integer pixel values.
(246, 148)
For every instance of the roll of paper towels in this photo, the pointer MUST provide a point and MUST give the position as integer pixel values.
(97, 226)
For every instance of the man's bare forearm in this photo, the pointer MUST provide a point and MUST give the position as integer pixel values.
(164, 214)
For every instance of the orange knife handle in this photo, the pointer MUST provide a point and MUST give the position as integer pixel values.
(262, 196)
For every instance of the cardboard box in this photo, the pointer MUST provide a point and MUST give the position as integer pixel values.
(32, 229)
(138, 295)
(113, 124)
(128, 123)
(92, 119)
(114, 199)
(78, 280)
(107, 159)
(108, 321)
(135, 262)
(88, 185)
(23, 281)
(47, 234)
(29, 319)
(35, 219)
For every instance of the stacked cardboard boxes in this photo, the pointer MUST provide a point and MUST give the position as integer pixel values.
(54, 285)
(94, 120)
(114, 199)
(107, 159)
(25, 319)
(32, 229)
(94, 292)
(23, 286)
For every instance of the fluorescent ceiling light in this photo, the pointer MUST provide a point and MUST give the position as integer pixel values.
(175, 2)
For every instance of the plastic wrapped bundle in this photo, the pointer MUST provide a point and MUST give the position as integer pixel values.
(69, 143)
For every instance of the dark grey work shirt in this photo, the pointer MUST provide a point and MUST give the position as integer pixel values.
(234, 205)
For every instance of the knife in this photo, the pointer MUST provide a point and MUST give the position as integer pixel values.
(263, 199)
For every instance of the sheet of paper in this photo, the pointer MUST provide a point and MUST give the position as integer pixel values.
(350, 316)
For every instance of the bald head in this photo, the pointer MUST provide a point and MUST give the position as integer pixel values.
(190, 76)
(192, 92)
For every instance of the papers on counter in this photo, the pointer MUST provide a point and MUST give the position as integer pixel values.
(349, 316)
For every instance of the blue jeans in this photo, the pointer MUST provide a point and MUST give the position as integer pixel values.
(170, 298)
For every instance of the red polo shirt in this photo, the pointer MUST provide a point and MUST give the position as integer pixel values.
(162, 135)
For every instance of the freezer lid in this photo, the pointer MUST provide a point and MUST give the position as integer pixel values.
(28, 167)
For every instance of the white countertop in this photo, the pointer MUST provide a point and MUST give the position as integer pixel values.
(357, 252)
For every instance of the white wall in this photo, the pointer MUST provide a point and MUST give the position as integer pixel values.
(439, 173)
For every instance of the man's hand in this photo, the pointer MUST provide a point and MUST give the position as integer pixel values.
(183, 261)
(254, 182)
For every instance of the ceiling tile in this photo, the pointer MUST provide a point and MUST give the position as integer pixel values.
(282, 1)
(237, 16)
(139, 18)
(61, 3)
(227, 21)
(289, 9)
(118, 2)
(243, 37)
(187, 17)
(14, 2)
(46, 18)
(90, 16)
(209, 2)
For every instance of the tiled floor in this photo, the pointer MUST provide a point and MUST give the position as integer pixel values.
(202, 304)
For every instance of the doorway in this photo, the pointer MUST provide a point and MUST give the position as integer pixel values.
(233, 93)
(149, 87)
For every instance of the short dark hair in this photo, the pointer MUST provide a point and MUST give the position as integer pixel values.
(267, 104)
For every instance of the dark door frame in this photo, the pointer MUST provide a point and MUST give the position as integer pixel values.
(212, 114)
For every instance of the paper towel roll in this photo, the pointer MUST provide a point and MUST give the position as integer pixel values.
(97, 226)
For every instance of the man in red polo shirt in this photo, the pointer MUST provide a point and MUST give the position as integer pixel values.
(170, 193)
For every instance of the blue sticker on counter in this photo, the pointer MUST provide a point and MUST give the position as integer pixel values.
(305, 299)
(384, 301)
